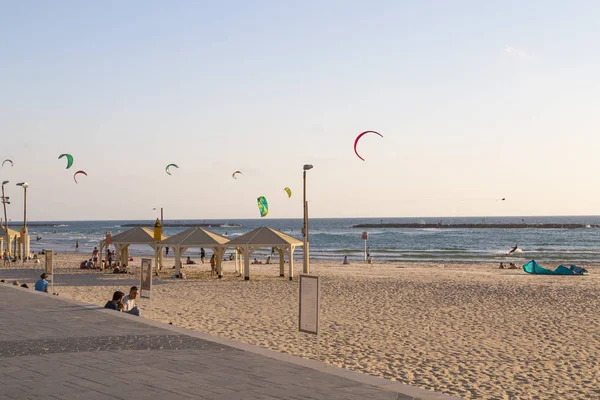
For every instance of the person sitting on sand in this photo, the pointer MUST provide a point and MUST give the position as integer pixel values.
(268, 260)
(89, 264)
(231, 257)
(189, 261)
(501, 266)
(117, 302)
(25, 286)
(256, 261)
(513, 266)
(129, 304)
(42, 284)
(346, 262)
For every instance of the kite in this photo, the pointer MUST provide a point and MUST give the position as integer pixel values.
(10, 161)
(78, 172)
(358, 138)
(69, 159)
(288, 191)
(236, 172)
(263, 206)
(170, 165)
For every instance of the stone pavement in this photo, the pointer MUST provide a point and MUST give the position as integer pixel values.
(53, 348)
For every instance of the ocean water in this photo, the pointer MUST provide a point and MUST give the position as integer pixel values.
(332, 239)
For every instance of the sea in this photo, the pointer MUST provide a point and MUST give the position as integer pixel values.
(334, 238)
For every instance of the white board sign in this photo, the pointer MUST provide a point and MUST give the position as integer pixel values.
(49, 266)
(308, 315)
(146, 278)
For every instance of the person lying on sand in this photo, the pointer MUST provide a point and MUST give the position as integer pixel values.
(256, 261)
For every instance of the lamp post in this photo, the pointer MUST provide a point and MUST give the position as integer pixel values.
(4, 203)
(306, 266)
(158, 250)
(24, 234)
(161, 219)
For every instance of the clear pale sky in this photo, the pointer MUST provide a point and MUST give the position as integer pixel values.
(476, 101)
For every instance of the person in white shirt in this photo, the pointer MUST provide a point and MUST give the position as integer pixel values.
(129, 303)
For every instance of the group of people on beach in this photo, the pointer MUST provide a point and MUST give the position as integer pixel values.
(125, 303)
(213, 261)
(510, 266)
(96, 263)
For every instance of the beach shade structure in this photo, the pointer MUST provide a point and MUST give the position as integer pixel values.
(7, 239)
(196, 238)
(269, 238)
(137, 235)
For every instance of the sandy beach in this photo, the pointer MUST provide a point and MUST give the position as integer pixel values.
(469, 330)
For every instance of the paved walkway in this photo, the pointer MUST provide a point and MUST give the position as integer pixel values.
(53, 348)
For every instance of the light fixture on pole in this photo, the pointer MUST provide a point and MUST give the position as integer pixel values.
(24, 233)
(305, 250)
(5, 201)
(161, 219)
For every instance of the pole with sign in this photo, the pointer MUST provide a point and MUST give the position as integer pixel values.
(146, 278)
(49, 266)
(309, 304)
(365, 236)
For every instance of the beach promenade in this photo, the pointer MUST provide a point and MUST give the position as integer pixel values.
(54, 348)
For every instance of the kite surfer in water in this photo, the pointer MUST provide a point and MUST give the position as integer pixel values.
(513, 249)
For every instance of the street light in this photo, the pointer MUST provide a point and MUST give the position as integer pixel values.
(4, 203)
(161, 218)
(306, 266)
(24, 185)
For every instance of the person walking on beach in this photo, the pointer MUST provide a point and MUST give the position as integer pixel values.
(42, 284)
(213, 265)
(95, 256)
(368, 252)
(166, 252)
(6, 258)
(77, 245)
(109, 257)
(202, 255)
(346, 260)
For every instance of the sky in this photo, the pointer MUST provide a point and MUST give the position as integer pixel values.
(476, 101)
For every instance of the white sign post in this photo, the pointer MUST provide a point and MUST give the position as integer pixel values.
(309, 304)
(49, 266)
(146, 278)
